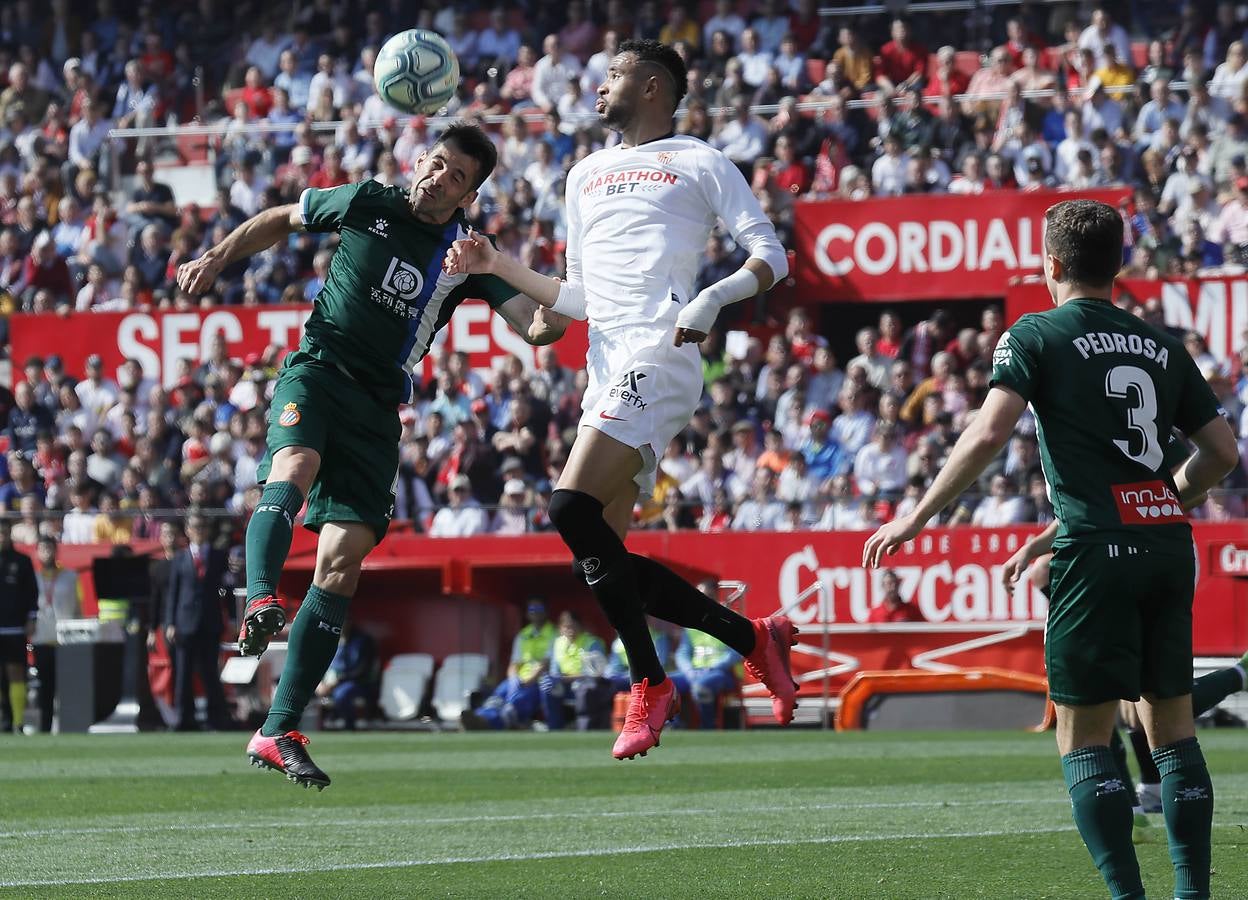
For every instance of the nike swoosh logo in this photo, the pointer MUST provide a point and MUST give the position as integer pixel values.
(612, 418)
(594, 581)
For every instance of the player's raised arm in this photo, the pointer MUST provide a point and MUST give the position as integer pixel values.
(260, 232)
(729, 195)
(475, 255)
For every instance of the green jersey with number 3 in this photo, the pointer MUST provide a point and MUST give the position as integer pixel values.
(1106, 389)
(385, 296)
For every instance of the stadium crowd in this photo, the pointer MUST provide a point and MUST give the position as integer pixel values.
(792, 433)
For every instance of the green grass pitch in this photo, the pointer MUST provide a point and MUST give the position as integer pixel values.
(734, 814)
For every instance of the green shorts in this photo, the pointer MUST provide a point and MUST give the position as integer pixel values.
(1120, 623)
(317, 405)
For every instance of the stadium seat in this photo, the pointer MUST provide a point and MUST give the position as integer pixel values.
(403, 685)
(815, 70)
(967, 61)
(460, 675)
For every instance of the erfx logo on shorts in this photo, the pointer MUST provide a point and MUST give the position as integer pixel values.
(627, 390)
(290, 415)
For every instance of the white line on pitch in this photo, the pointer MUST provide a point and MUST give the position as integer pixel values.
(517, 817)
(526, 857)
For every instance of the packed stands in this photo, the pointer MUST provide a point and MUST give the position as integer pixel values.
(111, 119)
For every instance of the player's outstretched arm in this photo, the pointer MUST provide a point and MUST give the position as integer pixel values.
(475, 255)
(978, 446)
(532, 321)
(260, 232)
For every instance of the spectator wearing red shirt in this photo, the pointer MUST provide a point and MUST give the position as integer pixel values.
(1018, 39)
(801, 337)
(894, 608)
(902, 61)
(947, 79)
(331, 173)
(157, 62)
(790, 174)
(256, 94)
(44, 270)
(891, 335)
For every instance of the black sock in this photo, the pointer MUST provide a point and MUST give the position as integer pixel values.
(1144, 756)
(667, 596)
(1119, 751)
(609, 572)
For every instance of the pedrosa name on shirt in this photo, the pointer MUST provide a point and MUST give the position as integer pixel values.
(1099, 342)
(627, 182)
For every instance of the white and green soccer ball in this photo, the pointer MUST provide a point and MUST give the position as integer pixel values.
(416, 71)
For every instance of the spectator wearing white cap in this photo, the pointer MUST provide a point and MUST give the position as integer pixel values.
(463, 516)
(512, 516)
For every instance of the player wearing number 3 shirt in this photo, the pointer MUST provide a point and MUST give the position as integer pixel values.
(638, 216)
(1106, 388)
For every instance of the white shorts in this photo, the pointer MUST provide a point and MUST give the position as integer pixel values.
(642, 390)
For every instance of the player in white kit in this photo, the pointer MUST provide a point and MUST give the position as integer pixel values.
(639, 215)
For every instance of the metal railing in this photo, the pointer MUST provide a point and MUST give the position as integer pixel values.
(436, 123)
(893, 9)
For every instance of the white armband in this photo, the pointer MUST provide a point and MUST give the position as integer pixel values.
(571, 301)
(700, 313)
(777, 260)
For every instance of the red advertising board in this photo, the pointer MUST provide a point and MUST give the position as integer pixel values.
(442, 596)
(929, 246)
(1217, 307)
(159, 339)
(952, 576)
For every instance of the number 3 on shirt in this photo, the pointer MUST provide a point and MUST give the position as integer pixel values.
(1142, 416)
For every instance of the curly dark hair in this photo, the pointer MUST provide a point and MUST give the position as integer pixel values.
(662, 55)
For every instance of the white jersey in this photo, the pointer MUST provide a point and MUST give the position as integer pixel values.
(638, 221)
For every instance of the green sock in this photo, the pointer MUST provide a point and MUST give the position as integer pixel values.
(1102, 811)
(1119, 750)
(268, 536)
(1187, 801)
(1210, 690)
(312, 644)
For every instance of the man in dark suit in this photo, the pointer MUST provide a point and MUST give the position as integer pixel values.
(160, 652)
(193, 625)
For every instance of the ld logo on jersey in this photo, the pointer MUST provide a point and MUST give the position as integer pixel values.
(290, 415)
(403, 279)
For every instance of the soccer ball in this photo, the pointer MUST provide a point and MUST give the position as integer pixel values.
(416, 71)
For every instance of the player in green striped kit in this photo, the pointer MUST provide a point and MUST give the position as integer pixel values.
(333, 426)
(1106, 389)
